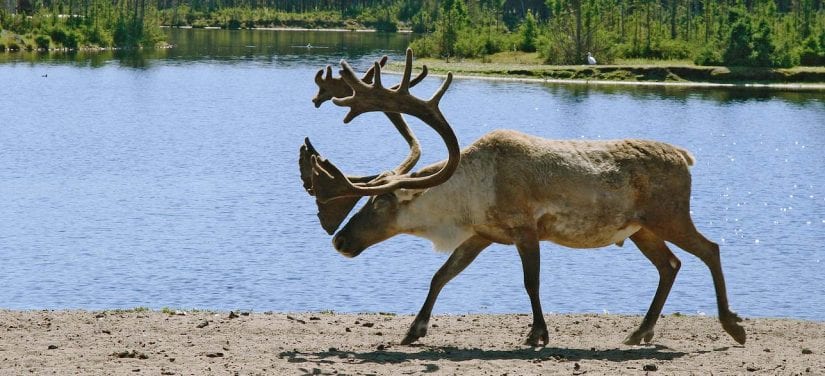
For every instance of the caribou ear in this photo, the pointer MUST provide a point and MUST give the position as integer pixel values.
(330, 213)
(404, 195)
(305, 164)
(333, 212)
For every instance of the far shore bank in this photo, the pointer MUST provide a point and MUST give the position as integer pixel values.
(794, 79)
(168, 342)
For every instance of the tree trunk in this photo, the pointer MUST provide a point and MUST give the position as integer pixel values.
(577, 10)
(647, 23)
(621, 21)
(673, 4)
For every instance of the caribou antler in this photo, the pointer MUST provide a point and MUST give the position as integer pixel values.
(334, 87)
(332, 212)
(328, 182)
(330, 87)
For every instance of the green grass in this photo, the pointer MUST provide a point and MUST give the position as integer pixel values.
(529, 65)
(650, 62)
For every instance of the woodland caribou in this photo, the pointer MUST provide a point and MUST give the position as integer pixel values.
(510, 188)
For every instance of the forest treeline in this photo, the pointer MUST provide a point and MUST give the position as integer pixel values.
(771, 33)
(75, 24)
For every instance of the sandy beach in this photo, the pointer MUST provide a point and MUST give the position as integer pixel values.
(242, 343)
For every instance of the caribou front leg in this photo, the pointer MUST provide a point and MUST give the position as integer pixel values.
(461, 257)
(528, 249)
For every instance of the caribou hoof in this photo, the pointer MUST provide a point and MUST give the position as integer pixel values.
(636, 338)
(417, 330)
(538, 337)
(732, 327)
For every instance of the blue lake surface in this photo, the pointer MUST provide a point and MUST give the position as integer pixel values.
(171, 180)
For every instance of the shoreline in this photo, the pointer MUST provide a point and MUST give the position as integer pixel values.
(591, 75)
(167, 342)
(792, 87)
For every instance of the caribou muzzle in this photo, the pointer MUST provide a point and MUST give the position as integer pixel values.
(345, 246)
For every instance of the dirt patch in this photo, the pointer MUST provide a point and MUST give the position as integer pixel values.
(169, 343)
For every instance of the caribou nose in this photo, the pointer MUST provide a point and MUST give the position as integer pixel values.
(339, 242)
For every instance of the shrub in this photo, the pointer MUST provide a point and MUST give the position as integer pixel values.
(426, 46)
(42, 42)
(784, 57)
(708, 55)
(738, 50)
(469, 45)
(529, 33)
(763, 48)
(422, 23)
(674, 49)
(812, 53)
(386, 25)
(98, 36)
(233, 24)
(200, 23)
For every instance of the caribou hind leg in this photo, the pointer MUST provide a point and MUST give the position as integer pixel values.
(684, 235)
(708, 251)
(458, 261)
(655, 249)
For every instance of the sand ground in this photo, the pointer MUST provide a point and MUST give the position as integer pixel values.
(197, 343)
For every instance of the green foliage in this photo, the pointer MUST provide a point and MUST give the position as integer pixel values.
(379, 19)
(98, 23)
(425, 47)
(99, 36)
(422, 22)
(42, 42)
(738, 50)
(731, 32)
(478, 43)
(528, 31)
(470, 43)
(785, 57)
(751, 42)
(812, 51)
(709, 55)
(458, 32)
(64, 37)
(452, 21)
(763, 48)
(660, 49)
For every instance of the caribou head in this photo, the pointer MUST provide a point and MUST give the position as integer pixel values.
(336, 193)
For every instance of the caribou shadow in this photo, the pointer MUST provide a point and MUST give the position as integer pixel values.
(456, 354)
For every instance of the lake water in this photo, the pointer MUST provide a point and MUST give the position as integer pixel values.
(170, 179)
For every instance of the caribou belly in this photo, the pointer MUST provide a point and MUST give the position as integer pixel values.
(586, 232)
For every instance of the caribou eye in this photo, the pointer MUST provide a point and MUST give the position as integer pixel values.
(383, 202)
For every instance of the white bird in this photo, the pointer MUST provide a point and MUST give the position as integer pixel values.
(590, 59)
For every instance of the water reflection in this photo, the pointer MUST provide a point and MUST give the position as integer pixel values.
(283, 47)
(289, 48)
(578, 92)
